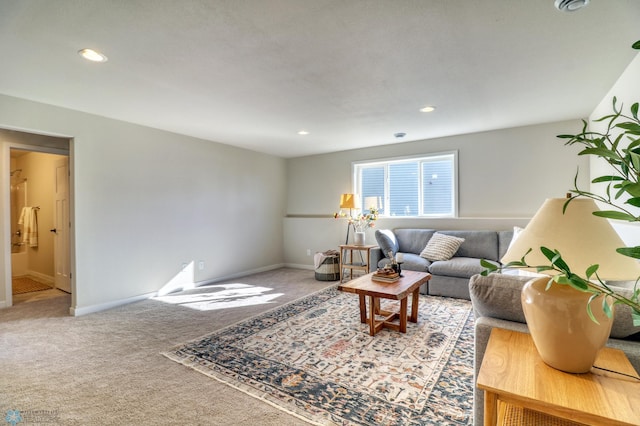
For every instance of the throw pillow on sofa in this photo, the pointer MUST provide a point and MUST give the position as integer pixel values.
(441, 247)
(387, 241)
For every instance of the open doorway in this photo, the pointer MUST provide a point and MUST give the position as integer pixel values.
(38, 216)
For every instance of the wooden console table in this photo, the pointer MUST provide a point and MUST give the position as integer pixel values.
(348, 262)
(513, 376)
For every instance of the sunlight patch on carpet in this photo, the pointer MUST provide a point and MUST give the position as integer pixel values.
(315, 359)
(223, 296)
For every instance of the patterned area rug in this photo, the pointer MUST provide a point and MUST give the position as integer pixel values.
(21, 285)
(313, 358)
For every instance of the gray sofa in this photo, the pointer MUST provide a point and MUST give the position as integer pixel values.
(449, 277)
(496, 303)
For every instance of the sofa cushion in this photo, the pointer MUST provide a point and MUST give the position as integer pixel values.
(622, 320)
(387, 241)
(414, 262)
(504, 241)
(480, 244)
(441, 247)
(462, 267)
(413, 240)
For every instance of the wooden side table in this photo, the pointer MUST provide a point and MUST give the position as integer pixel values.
(359, 262)
(513, 374)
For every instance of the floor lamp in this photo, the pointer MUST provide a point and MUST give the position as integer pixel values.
(351, 202)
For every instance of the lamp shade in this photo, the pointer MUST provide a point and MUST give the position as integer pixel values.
(581, 238)
(371, 203)
(349, 201)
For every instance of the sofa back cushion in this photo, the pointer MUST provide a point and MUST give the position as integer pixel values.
(413, 240)
(504, 239)
(478, 244)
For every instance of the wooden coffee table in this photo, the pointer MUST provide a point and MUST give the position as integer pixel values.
(408, 284)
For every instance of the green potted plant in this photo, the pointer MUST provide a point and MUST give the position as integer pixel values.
(619, 146)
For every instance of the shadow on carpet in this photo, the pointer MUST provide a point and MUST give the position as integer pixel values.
(313, 358)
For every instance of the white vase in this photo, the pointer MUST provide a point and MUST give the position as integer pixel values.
(358, 238)
(564, 335)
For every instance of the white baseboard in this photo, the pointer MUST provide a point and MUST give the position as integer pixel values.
(84, 310)
(299, 266)
(43, 278)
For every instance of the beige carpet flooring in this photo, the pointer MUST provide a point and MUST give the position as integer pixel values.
(106, 368)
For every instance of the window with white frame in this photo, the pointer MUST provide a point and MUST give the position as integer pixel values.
(415, 186)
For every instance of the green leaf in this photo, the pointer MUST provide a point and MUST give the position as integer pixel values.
(607, 179)
(635, 201)
(591, 270)
(549, 284)
(636, 45)
(634, 144)
(600, 152)
(578, 283)
(630, 251)
(612, 214)
(606, 308)
(635, 315)
(589, 311)
(555, 258)
(634, 110)
(630, 126)
(486, 264)
(635, 159)
(633, 189)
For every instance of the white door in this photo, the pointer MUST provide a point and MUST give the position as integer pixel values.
(61, 226)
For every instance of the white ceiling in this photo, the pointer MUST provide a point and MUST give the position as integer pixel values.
(252, 73)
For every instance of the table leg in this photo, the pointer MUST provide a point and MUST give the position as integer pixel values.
(363, 309)
(490, 409)
(403, 315)
(372, 315)
(414, 305)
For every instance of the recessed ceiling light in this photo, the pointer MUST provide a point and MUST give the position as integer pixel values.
(303, 132)
(428, 108)
(92, 55)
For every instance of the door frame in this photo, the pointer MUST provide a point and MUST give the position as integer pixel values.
(7, 146)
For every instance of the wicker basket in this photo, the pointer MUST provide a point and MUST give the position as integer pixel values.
(329, 269)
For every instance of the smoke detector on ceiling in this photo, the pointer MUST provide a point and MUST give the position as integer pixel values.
(570, 5)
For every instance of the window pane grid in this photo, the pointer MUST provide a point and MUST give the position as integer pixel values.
(414, 187)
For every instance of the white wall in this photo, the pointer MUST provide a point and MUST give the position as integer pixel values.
(504, 177)
(627, 92)
(147, 201)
